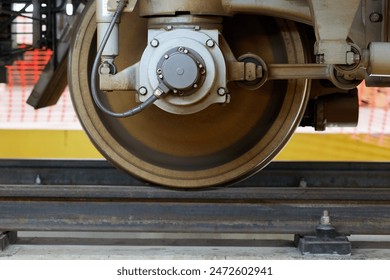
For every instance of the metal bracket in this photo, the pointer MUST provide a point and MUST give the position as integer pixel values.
(7, 238)
(326, 241)
(124, 80)
(333, 21)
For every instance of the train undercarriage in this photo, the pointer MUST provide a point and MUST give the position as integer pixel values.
(205, 93)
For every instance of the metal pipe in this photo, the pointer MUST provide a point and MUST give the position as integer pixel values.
(298, 71)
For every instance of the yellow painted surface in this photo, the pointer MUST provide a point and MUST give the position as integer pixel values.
(311, 147)
(46, 144)
(337, 147)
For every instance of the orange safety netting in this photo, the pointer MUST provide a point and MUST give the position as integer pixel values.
(16, 114)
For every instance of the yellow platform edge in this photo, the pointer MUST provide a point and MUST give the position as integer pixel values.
(74, 144)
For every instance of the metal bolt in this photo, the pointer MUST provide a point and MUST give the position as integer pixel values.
(303, 183)
(376, 17)
(159, 71)
(174, 90)
(356, 58)
(169, 27)
(320, 59)
(221, 91)
(210, 43)
(185, 51)
(202, 70)
(160, 76)
(142, 91)
(105, 68)
(166, 56)
(38, 180)
(154, 43)
(180, 49)
(325, 219)
(195, 85)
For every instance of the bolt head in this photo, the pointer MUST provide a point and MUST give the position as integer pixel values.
(376, 17)
(210, 43)
(221, 91)
(154, 43)
(325, 219)
(142, 91)
(105, 69)
(303, 183)
(320, 59)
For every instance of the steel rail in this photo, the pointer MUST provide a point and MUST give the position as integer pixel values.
(286, 197)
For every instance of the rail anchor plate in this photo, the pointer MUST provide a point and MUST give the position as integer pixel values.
(326, 242)
(7, 238)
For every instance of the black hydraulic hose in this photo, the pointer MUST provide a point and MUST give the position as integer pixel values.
(94, 91)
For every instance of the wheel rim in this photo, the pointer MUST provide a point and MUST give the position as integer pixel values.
(219, 145)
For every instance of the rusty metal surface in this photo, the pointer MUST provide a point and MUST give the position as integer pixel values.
(277, 174)
(277, 200)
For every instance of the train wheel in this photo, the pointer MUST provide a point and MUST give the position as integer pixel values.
(219, 145)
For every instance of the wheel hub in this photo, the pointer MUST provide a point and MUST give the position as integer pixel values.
(187, 63)
(182, 70)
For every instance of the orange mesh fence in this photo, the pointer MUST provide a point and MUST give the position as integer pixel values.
(22, 75)
(16, 114)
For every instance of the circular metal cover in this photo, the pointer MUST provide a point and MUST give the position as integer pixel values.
(180, 71)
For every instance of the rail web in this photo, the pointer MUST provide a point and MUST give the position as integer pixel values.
(286, 197)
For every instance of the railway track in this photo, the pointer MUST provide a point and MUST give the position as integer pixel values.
(287, 197)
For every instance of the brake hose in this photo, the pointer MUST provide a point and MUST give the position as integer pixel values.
(157, 93)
